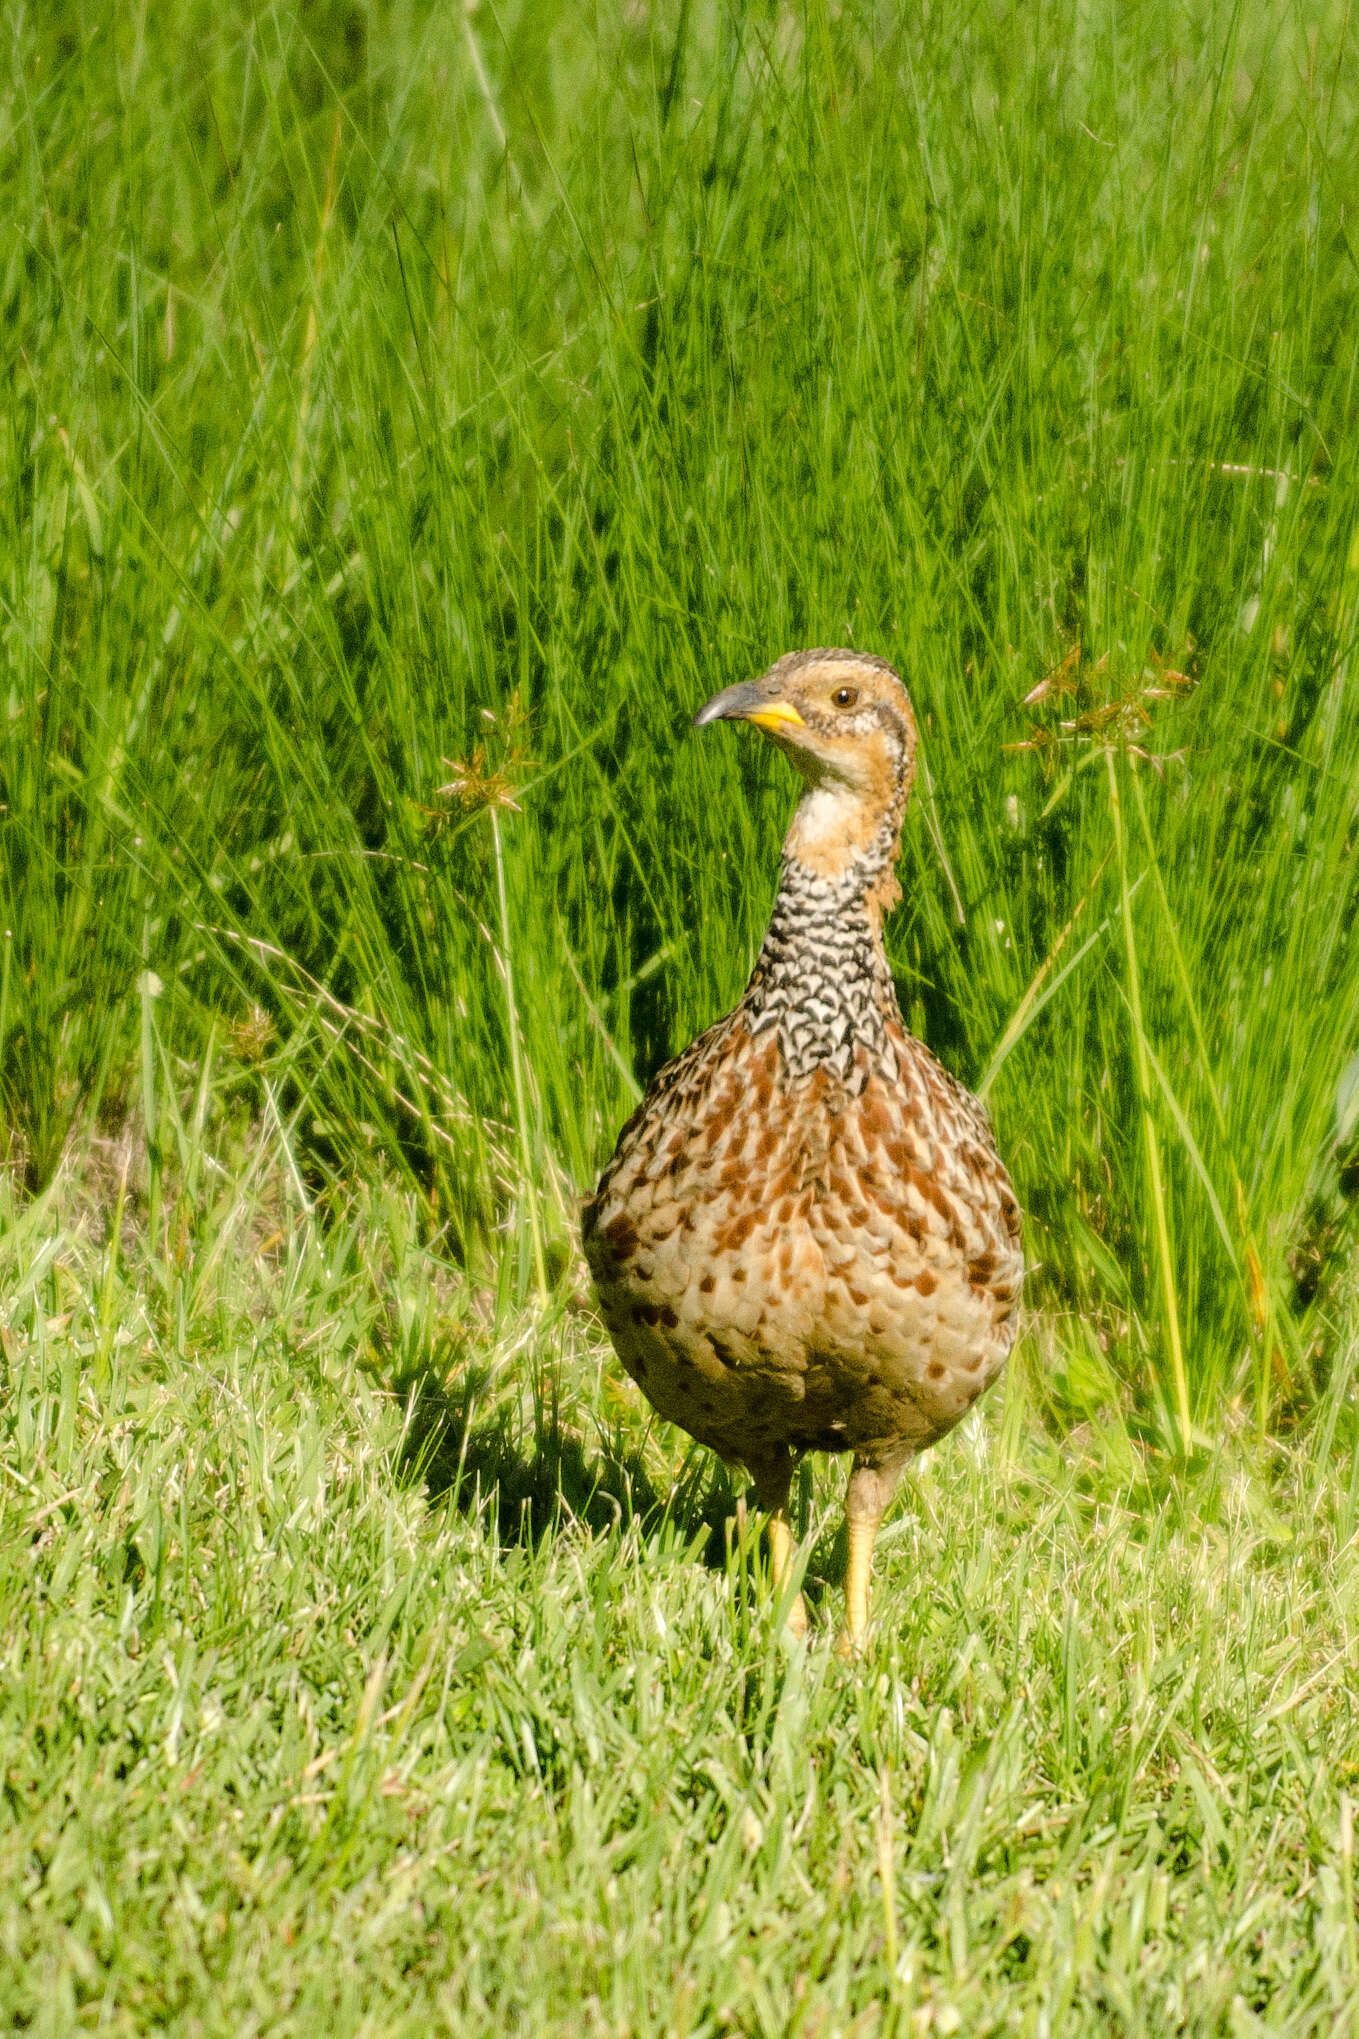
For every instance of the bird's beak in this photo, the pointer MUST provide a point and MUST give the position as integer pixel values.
(747, 702)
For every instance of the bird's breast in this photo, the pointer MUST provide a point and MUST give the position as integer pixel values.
(841, 1251)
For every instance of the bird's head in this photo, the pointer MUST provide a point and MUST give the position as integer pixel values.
(845, 721)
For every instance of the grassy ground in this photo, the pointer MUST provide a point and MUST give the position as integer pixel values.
(330, 1708)
(415, 412)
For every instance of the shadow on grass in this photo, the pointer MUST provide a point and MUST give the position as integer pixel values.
(462, 1460)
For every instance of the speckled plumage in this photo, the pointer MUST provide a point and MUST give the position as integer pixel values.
(805, 1240)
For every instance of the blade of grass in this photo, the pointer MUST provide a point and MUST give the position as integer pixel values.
(1165, 1260)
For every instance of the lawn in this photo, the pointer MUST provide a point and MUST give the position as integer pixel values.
(415, 412)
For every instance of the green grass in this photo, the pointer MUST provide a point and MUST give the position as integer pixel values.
(377, 376)
(330, 1708)
(413, 410)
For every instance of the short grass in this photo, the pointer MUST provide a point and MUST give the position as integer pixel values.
(414, 412)
(329, 1708)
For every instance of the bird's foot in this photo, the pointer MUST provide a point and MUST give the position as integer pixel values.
(795, 1620)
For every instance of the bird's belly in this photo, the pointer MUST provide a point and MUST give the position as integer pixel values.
(787, 1346)
(717, 1336)
(903, 1347)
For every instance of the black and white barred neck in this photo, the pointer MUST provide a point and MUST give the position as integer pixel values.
(822, 981)
(821, 978)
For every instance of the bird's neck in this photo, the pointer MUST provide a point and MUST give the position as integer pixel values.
(821, 979)
(851, 837)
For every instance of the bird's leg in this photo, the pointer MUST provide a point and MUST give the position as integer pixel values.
(870, 1489)
(772, 1483)
(781, 1545)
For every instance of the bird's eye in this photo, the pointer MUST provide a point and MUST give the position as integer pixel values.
(845, 697)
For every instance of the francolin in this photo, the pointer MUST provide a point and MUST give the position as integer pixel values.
(806, 1240)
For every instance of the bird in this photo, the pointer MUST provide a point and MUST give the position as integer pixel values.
(806, 1240)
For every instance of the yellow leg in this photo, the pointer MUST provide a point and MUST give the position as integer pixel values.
(781, 1566)
(771, 1485)
(863, 1532)
(870, 1489)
